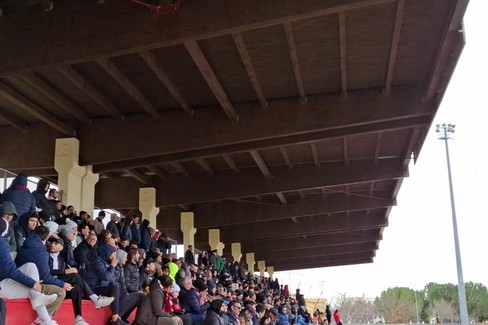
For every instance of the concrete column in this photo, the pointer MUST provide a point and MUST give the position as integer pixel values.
(270, 270)
(188, 229)
(214, 241)
(88, 190)
(147, 204)
(250, 262)
(262, 268)
(236, 251)
(70, 174)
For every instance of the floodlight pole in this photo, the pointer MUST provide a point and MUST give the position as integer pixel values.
(445, 130)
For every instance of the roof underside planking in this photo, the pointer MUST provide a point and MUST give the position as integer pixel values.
(287, 124)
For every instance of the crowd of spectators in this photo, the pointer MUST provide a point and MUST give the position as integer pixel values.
(127, 265)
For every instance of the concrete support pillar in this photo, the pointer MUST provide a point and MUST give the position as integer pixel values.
(262, 268)
(147, 204)
(250, 262)
(88, 190)
(270, 270)
(214, 241)
(188, 229)
(236, 251)
(70, 174)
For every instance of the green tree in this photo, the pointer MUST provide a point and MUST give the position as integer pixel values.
(397, 305)
(477, 300)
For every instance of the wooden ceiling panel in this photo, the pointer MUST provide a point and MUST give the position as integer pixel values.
(330, 150)
(361, 147)
(183, 72)
(268, 50)
(368, 43)
(317, 42)
(394, 143)
(419, 39)
(221, 53)
(138, 72)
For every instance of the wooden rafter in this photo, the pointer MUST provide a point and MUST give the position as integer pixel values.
(294, 60)
(377, 150)
(158, 70)
(343, 54)
(228, 159)
(282, 198)
(156, 170)
(55, 95)
(261, 164)
(179, 167)
(207, 72)
(12, 120)
(251, 72)
(76, 78)
(35, 110)
(128, 86)
(286, 157)
(394, 46)
(204, 164)
(315, 154)
(133, 173)
(345, 144)
(301, 193)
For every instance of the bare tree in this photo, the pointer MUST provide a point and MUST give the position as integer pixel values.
(443, 311)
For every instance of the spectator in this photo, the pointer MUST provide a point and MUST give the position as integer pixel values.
(145, 242)
(215, 312)
(22, 282)
(20, 196)
(189, 257)
(337, 317)
(41, 200)
(98, 222)
(164, 244)
(136, 232)
(112, 225)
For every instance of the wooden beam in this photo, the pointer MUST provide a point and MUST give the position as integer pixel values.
(320, 224)
(204, 164)
(228, 159)
(56, 96)
(196, 22)
(76, 78)
(228, 185)
(261, 164)
(12, 120)
(317, 241)
(156, 170)
(394, 46)
(158, 70)
(301, 193)
(315, 263)
(19, 100)
(128, 86)
(284, 153)
(209, 75)
(179, 168)
(345, 146)
(138, 176)
(294, 60)
(366, 112)
(377, 149)
(251, 72)
(281, 196)
(315, 154)
(343, 52)
(296, 259)
(238, 212)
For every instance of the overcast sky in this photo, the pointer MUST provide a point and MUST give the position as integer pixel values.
(418, 245)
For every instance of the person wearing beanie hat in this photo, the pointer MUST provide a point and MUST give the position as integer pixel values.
(22, 282)
(191, 298)
(53, 228)
(214, 314)
(20, 196)
(68, 234)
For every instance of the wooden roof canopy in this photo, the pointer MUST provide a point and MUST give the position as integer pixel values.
(287, 124)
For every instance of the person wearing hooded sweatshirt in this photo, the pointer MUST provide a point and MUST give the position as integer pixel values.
(20, 196)
(34, 251)
(150, 312)
(215, 312)
(41, 200)
(22, 282)
(9, 212)
(100, 276)
(282, 318)
(145, 242)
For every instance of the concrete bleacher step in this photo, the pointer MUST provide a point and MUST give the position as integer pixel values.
(20, 312)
